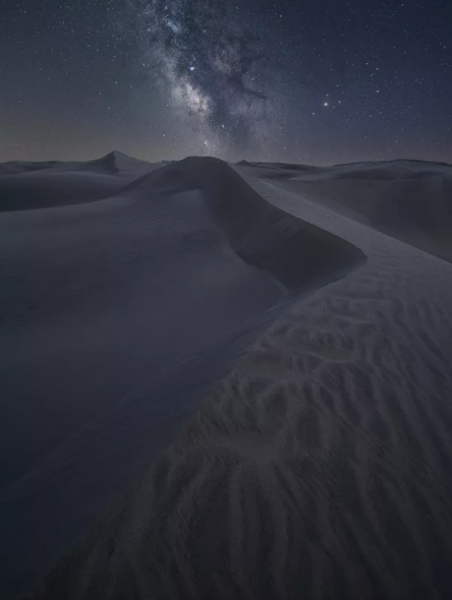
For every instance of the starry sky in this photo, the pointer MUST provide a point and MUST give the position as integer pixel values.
(307, 81)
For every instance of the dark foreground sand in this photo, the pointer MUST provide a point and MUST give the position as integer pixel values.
(321, 467)
(117, 315)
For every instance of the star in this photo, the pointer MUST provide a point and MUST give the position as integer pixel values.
(206, 71)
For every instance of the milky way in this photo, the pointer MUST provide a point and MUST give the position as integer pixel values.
(215, 68)
(292, 81)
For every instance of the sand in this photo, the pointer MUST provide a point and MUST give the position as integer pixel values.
(320, 467)
(43, 185)
(118, 315)
(409, 200)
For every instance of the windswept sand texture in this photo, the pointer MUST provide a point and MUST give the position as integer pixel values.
(117, 316)
(320, 468)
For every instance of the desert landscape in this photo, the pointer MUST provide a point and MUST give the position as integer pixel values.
(225, 380)
(226, 300)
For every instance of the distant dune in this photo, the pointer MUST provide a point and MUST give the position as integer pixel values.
(43, 185)
(6, 170)
(409, 200)
(117, 315)
(112, 163)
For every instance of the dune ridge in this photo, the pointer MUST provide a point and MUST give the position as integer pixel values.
(409, 200)
(260, 233)
(321, 467)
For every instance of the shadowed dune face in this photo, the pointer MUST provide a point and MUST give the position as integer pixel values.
(37, 189)
(15, 167)
(293, 251)
(108, 164)
(6, 170)
(409, 200)
(51, 184)
(117, 315)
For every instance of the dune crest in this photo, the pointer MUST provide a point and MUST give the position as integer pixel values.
(408, 200)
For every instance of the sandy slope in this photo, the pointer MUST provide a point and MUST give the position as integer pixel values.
(43, 185)
(322, 465)
(112, 163)
(410, 200)
(116, 317)
(6, 170)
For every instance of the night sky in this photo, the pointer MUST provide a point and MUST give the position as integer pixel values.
(307, 81)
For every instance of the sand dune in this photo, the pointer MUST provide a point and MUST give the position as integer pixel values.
(112, 163)
(6, 170)
(43, 185)
(117, 316)
(321, 467)
(37, 190)
(409, 200)
(16, 166)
